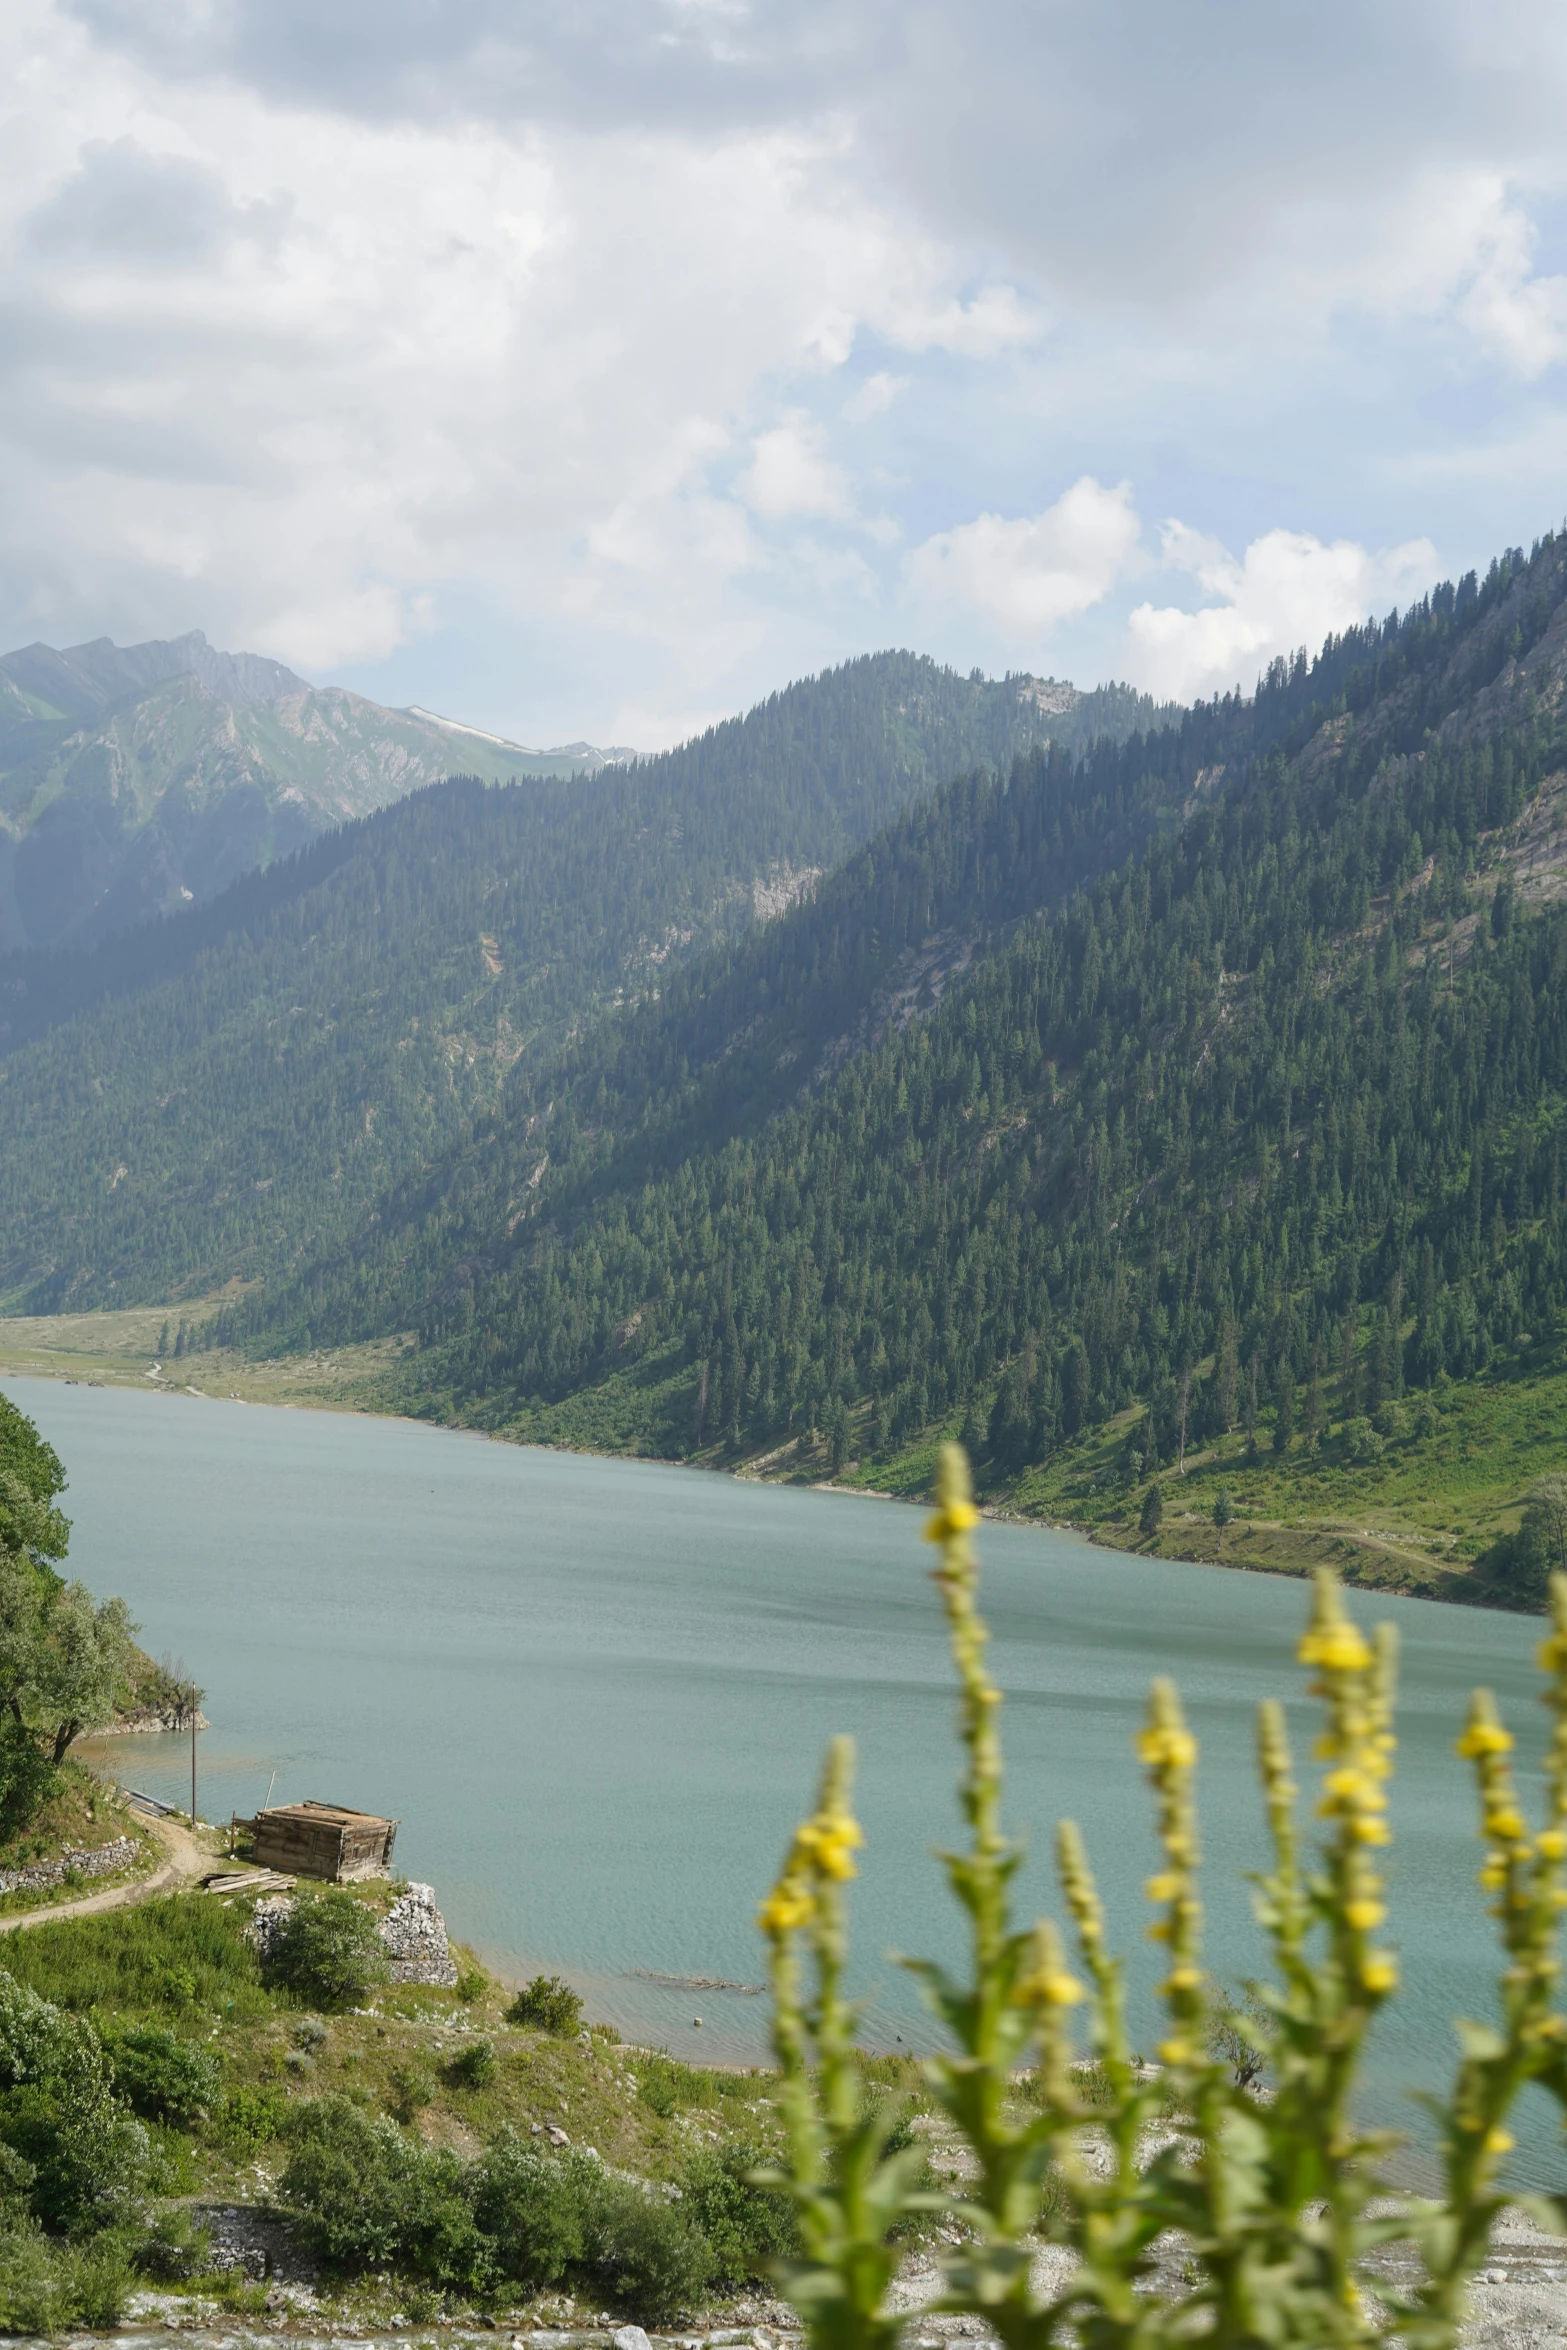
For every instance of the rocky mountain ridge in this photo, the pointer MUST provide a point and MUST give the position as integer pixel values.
(135, 780)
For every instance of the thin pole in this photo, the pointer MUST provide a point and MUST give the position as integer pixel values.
(194, 1711)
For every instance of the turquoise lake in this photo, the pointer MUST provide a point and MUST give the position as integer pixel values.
(595, 1694)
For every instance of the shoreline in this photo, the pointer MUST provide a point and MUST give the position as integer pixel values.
(1373, 1558)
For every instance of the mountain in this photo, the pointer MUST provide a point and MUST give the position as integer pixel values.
(137, 779)
(1203, 1090)
(232, 1093)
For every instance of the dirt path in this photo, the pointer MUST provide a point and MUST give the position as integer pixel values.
(185, 1860)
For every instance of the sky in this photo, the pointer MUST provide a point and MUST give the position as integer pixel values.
(590, 371)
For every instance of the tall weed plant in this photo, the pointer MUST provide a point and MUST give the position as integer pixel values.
(1276, 2193)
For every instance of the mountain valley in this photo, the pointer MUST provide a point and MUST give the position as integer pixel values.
(1173, 1111)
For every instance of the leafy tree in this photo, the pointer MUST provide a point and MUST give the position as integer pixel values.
(367, 2197)
(646, 2252)
(162, 2076)
(1151, 1516)
(1548, 1506)
(82, 1664)
(327, 1950)
(531, 2208)
(749, 2228)
(31, 1476)
(86, 2159)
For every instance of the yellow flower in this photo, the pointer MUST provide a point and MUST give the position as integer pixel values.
(1493, 1876)
(1167, 1749)
(1552, 1653)
(1337, 1648)
(785, 1908)
(1499, 2141)
(1379, 1972)
(827, 1842)
(1552, 1843)
(1183, 1978)
(1163, 1888)
(1363, 1914)
(1059, 1989)
(1483, 1737)
(1175, 2050)
(1506, 1826)
(959, 1517)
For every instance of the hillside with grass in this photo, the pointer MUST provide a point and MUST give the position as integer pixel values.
(413, 2153)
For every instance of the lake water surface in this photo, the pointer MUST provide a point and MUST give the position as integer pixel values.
(595, 1694)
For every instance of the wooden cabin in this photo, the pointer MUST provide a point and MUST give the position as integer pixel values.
(322, 1840)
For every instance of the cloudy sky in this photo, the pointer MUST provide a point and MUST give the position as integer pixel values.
(593, 369)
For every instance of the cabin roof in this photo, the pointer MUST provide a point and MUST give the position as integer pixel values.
(325, 1815)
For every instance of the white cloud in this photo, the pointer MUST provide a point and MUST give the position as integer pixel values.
(1518, 315)
(285, 373)
(1027, 575)
(318, 328)
(874, 397)
(791, 473)
(1289, 590)
(996, 320)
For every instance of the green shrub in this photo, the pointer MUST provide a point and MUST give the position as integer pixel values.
(412, 2088)
(645, 2253)
(548, 2004)
(252, 2117)
(327, 1950)
(172, 2250)
(47, 2287)
(162, 2076)
(531, 2208)
(472, 2066)
(1151, 1516)
(746, 2226)
(665, 2086)
(58, 2112)
(366, 2197)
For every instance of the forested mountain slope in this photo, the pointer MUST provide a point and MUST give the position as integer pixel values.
(1270, 1120)
(136, 779)
(233, 1092)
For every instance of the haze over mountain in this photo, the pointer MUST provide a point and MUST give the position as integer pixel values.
(137, 779)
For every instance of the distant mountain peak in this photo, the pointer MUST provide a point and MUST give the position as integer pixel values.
(81, 682)
(136, 779)
(617, 755)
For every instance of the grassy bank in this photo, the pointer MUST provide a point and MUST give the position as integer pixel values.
(126, 1349)
(253, 2094)
(1417, 1517)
